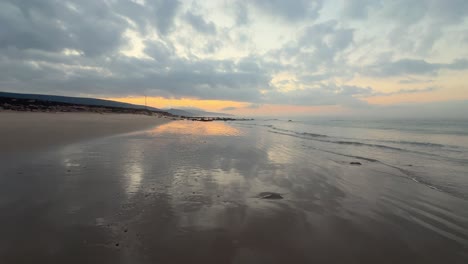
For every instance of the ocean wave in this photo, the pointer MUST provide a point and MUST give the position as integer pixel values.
(405, 173)
(355, 143)
(423, 144)
(427, 149)
(299, 133)
(328, 151)
(313, 135)
(428, 183)
(371, 145)
(409, 174)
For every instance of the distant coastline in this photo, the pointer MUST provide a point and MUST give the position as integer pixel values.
(56, 104)
(34, 105)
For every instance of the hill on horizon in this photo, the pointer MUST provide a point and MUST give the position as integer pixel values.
(75, 100)
(108, 103)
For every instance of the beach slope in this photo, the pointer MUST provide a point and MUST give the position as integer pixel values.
(23, 131)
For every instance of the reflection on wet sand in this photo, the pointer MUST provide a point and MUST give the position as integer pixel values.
(134, 173)
(197, 128)
(159, 197)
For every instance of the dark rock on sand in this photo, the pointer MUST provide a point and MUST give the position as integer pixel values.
(355, 163)
(270, 196)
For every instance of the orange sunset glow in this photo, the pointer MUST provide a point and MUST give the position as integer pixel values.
(161, 102)
(239, 108)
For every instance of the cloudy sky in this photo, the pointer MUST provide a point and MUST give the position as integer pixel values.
(242, 57)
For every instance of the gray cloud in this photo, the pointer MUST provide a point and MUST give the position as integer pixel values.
(55, 25)
(130, 76)
(413, 80)
(321, 95)
(159, 14)
(449, 109)
(407, 91)
(345, 95)
(291, 10)
(423, 90)
(408, 12)
(253, 106)
(357, 9)
(241, 13)
(412, 66)
(318, 45)
(199, 24)
(230, 108)
(415, 26)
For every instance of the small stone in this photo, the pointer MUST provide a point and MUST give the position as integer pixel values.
(116, 244)
(270, 196)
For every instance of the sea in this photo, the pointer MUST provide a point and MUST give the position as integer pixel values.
(431, 152)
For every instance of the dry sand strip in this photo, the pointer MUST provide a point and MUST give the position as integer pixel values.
(26, 131)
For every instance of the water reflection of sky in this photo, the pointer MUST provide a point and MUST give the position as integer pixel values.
(134, 173)
(198, 128)
(187, 186)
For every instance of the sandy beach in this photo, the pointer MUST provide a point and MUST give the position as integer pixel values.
(26, 131)
(216, 192)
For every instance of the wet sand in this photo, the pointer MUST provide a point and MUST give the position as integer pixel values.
(191, 192)
(26, 131)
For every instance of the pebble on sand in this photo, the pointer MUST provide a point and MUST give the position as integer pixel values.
(270, 196)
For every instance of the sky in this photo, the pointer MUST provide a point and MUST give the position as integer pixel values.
(245, 57)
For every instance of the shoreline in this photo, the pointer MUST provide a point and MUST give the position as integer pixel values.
(31, 131)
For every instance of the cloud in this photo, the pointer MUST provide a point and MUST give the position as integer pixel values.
(357, 9)
(413, 80)
(453, 109)
(158, 14)
(449, 11)
(321, 44)
(53, 26)
(413, 26)
(407, 91)
(253, 106)
(199, 24)
(229, 108)
(412, 66)
(130, 76)
(292, 10)
(320, 96)
(241, 13)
